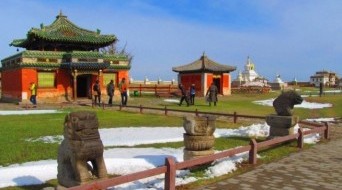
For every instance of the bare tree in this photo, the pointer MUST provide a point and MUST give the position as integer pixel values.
(113, 49)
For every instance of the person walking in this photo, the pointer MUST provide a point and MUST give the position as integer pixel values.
(184, 96)
(192, 94)
(212, 94)
(33, 97)
(110, 92)
(123, 91)
(320, 89)
(97, 93)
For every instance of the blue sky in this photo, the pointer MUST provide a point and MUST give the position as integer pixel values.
(293, 38)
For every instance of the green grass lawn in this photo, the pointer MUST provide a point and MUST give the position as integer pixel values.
(15, 129)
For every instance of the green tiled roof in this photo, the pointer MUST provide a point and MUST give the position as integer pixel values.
(52, 59)
(41, 65)
(90, 54)
(44, 54)
(63, 31)
(63, 54)
(36, 65)
(119, 67)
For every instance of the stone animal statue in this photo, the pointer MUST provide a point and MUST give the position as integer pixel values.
(81, 145)
(285, 102)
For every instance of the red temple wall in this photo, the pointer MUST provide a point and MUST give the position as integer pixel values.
(11, 84)
(226, 87)
(209, 79)
(188, 79)
(122, 74)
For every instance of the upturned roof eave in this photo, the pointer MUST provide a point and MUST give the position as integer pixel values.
(204, 71)
(204, 64)
(56, 32)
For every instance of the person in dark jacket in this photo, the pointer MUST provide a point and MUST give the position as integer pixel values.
(97, 93)
(212, 94)
(184, 95)
(110, 92)
(192, 94)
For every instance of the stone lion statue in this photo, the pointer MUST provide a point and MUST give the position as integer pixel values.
(81, 146)
(285, 102)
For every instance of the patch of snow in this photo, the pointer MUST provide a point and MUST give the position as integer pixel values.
(26, 112)
(172, 100)
(304, 104)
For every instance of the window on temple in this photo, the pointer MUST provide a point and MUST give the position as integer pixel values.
(107, 77)
(46, 79)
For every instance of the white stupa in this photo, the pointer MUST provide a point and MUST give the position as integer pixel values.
(249, 77)
(249, 74)
(278, 80)
(278, 83)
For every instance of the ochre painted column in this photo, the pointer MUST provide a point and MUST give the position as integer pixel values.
(75, 84)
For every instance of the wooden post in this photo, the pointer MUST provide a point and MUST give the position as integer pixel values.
(196, 112)
(170, 175)
(155, 90)
(253, 152)
(120, 107)
(300, 140)
(165, 110)
(326, 131)
(141, 109)
(235, 117)
(140, 89)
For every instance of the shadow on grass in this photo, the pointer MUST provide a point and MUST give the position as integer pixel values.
(51, 184)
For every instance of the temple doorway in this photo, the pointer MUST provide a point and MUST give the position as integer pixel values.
(83, 86)
(217, 82)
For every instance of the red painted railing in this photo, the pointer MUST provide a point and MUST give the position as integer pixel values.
(170, 167)
(156, 89)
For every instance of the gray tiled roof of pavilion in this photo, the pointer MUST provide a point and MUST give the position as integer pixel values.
(204, 64)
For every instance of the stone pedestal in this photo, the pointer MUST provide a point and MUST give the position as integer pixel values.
(198, 143)
(281, 125)
(191, 154)
(198, 139)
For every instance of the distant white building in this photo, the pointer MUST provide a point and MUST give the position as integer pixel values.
(249, 74)
(278, 83)
(325, 77)
(249, 77)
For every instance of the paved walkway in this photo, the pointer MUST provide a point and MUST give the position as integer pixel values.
(319, 167)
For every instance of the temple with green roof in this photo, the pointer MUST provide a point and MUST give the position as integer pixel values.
(64, 60)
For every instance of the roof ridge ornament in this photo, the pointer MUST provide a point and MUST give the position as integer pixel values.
(203, 61)
(60, 14)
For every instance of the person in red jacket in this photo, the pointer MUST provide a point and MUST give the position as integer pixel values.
(123, 87)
